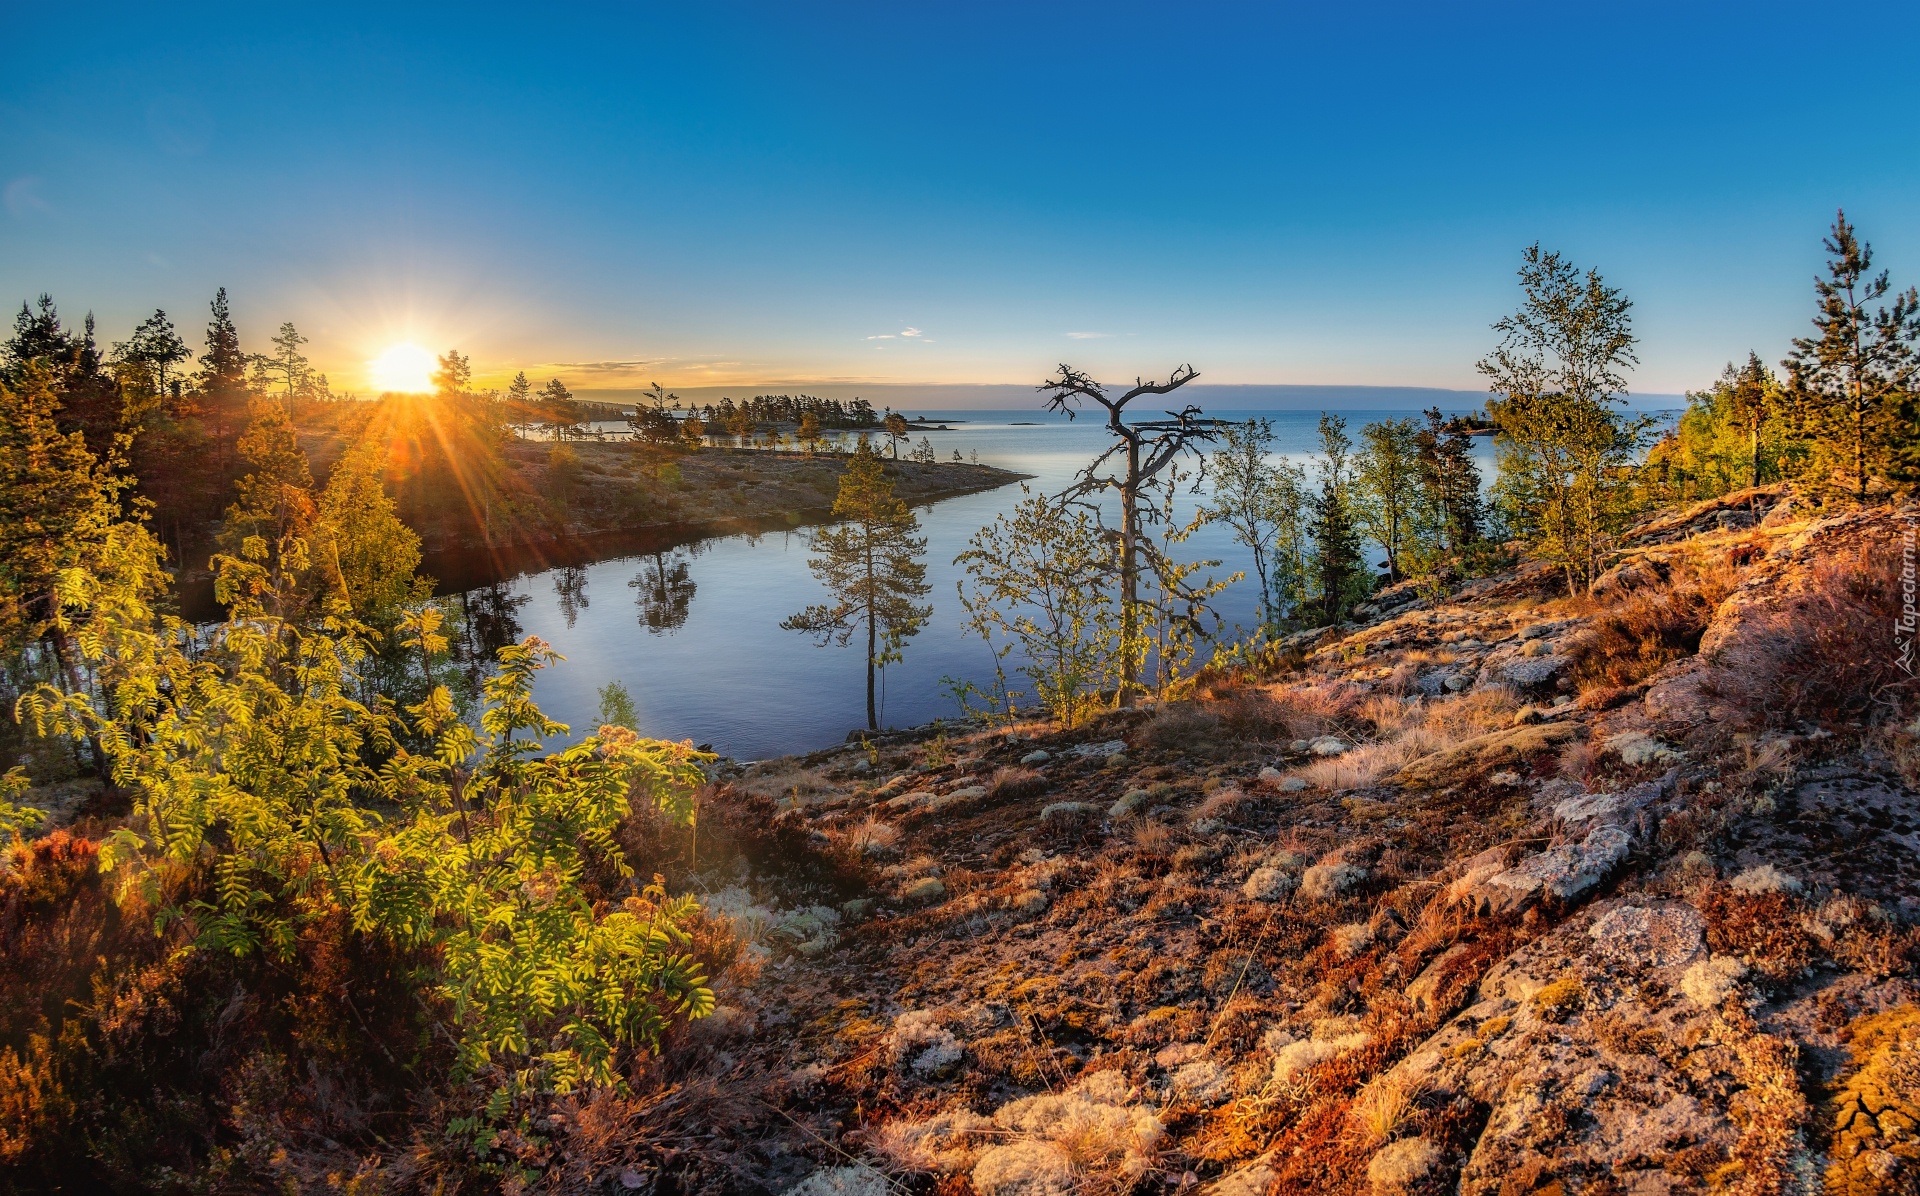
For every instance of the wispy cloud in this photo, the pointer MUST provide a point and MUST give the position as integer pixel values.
(1088, 336)
(606, 367)
(884, 336)
(22, 196)
(911, 332)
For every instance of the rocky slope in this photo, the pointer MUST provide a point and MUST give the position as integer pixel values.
(1498, 892)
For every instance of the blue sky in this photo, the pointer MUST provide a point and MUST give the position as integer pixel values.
(730, 194)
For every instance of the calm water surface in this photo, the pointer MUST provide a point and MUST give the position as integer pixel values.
(694, 632)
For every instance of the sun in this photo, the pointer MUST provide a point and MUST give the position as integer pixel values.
(405, 367)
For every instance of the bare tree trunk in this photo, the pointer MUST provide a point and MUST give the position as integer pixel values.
(1129, 575)
(873, 719)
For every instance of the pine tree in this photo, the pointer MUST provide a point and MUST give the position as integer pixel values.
(454, 377)
(896, 429)
(223, 379)
(1450, 502)
(155, 348)
(286, 366)
(1339, 572)
(558, 410)
(1855, 373)
(520, 408)
(870, 564)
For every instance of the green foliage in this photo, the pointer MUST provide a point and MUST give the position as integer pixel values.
(1042, 585)
(1386, 491)
(557, 409)
(372, 554)
(1854, 380)
(1568, 455)
(616, 707)
(1451, 511)
(1262, 501)
(1169, 626)
(1339, 576)
(252, 763)
(870, 564)
(563, 473)
(1739, 433)
(55, 504)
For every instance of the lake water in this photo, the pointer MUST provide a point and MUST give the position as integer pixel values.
(694, 634)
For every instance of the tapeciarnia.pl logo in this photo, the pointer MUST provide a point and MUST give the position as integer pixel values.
(1909, 621)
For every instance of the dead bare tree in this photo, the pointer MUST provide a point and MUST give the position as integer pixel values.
(1147, 447)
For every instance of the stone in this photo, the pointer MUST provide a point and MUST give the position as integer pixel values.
(1251, 1180)
(1300, 746)
(1659, 935)
(1636, 748)
(1037, 756)
(926, 889)
(1530, 671)
(1328, 745)
(1067, 813)
(910, 801)
(1560, 875)
(1293, 784)
(1129, 802)
(1424, 990)
(1271, 775)
(1398, 1165)
(1711, 981)
(860, 1180)
(856, 909)
(1100, 751)
(1456, 682)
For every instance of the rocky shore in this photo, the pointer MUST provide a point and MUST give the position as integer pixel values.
(1498, 892)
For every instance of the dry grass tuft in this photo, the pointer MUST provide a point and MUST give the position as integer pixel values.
(1386, 1106)
(1476, 712)
(788, 784)
(1181, 727)
(1013, 784)
(871, 837)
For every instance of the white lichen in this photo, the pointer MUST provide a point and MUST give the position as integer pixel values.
(921, 1045)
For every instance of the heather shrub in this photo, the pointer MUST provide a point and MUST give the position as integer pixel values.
(1634, 638)
(1826, 655)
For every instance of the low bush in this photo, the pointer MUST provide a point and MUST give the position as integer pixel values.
(1825, 656)
(1636, 637)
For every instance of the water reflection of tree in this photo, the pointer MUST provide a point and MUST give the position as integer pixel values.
(489, 622)
(570, 583)
(663, 590)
